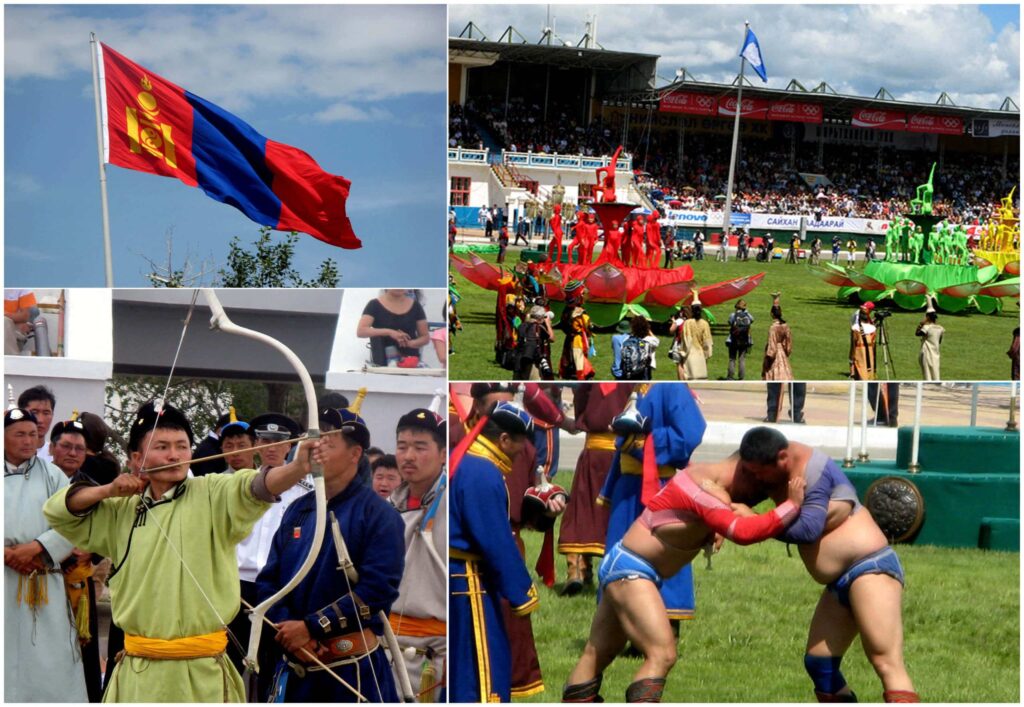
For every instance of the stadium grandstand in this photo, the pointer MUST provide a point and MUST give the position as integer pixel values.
(528, 116)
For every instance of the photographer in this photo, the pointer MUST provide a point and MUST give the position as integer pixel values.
(862, 343)
(931, 333)
(533, 349)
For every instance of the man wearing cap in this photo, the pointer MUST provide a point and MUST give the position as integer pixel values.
(418, 616)
(210, 446)
(335, 612)
(484, 561)
(862, 343)
(69, 445)
(526, 674)
(237, 437)
(174, 582)
(39, 639)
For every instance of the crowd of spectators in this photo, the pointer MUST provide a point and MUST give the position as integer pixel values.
(861, 183)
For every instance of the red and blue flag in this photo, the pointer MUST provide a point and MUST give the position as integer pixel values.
(154, 126)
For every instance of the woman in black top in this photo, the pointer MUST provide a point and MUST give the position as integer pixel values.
(393, 319)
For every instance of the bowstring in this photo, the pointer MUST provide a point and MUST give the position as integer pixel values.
(142, 465)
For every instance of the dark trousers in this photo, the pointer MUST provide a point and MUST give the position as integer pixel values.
(796, 405)
(885, 403)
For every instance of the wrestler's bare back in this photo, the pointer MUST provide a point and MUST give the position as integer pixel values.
(671, 547)
(848, 535)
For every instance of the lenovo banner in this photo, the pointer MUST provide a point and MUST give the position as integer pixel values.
(881, 119)
(692, 103)
(941, 124)
(794, 112)
(754, 108)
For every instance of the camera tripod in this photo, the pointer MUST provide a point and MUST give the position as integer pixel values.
(888, 367)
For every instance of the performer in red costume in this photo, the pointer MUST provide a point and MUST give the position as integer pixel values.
(638, 234)
(612, 243)
(584, 237)
(605, 188)
(555, 245)
(653, 240)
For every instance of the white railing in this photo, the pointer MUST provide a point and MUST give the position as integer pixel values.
(538, 159)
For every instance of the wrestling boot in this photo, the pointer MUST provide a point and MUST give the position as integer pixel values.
(645, 690)
(900, 696)
(586, 564)
(574, 575)
(588, 691)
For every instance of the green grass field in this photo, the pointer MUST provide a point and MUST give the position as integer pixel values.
(974, 346)
(961, 620)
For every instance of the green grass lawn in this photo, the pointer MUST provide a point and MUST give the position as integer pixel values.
(961, 620)
(974, 346)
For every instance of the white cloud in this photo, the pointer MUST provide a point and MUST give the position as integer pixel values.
(22, 186)
(234, 55)
(914, 51)
(342, 112)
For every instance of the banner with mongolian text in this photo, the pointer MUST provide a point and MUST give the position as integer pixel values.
(781, 222)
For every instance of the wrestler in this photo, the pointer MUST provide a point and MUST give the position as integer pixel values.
(842, 548)
(678, 522)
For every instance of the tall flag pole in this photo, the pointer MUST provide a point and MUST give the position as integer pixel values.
(751, 52)
(101, 133)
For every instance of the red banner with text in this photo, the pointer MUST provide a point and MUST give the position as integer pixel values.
(795, 112)
(692, 103)
(878, 118)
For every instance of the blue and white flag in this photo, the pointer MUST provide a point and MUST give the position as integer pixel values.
(752, 53)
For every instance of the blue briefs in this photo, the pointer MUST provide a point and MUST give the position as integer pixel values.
(620, 563)
(884, 561)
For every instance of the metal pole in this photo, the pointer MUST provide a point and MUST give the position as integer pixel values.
(916, 446)
(848, 459)
(107, 257)
(726, 217)
(863, 456)
(1011, 424)
(974, 404)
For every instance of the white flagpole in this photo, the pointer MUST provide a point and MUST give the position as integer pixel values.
(108, 261)
(726, 217)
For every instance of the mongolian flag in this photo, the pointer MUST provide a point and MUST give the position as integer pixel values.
(154, 126)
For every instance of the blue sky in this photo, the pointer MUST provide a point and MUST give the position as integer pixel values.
(915, 51)
(360, 88)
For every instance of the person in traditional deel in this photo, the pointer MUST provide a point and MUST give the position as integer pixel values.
(174, 582)
(484, 563)
(338, 610)
(69, 444)
(40, 640)
(419, 616)
(654, 439)
(584, 526)
(278, 431)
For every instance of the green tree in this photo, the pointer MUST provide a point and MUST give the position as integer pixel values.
(271, 265)
(202, 400)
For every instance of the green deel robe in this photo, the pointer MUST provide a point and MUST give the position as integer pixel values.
(152, 594)
(42, 660)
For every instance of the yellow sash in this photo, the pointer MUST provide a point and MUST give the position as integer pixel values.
(207, 645)
(604, 441)
(632, 465)
(416, 626)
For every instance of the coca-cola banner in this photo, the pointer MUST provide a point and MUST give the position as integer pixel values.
(881, 119)
(755, 108)
(794, 112)
(941, 124)
(692, 103)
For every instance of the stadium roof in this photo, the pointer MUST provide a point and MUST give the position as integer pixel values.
(549, 50)
(823, 94)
